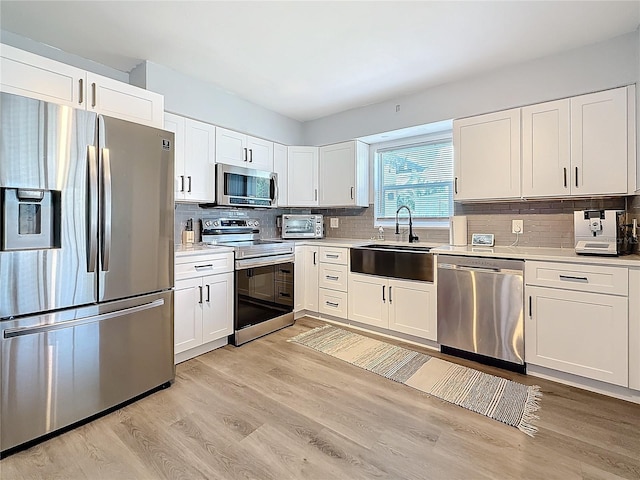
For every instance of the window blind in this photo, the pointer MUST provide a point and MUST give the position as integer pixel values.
(419, 176)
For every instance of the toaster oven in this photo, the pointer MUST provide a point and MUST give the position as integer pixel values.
(302, 226)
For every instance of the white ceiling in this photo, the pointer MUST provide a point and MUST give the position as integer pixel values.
(306, 59)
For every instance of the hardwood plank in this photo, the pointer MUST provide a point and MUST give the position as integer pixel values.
(272, 409)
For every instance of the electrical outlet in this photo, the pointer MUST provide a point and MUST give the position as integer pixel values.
(335, 222)
(517, 226)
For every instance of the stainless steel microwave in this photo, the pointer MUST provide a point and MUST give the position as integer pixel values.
(302, 226)
(245, 187)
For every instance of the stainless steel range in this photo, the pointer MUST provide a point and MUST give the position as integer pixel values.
(264, 271)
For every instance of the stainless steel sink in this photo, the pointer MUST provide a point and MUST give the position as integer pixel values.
(411, 262)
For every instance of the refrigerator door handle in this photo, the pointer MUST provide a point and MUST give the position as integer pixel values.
(106, 209)
(22, 331)
(93, 209)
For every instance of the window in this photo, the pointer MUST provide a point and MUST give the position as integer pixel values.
(418, 174)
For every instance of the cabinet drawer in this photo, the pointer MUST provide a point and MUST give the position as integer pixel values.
(284, 274)
(201, 265)
(333, 277)
(585, 278)
(333, 255)
(333, 303)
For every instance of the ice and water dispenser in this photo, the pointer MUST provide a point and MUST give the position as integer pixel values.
(30, 219)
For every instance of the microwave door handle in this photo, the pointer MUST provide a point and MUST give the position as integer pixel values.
(274, 189)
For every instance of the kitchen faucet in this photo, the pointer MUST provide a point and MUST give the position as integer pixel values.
(412, 237)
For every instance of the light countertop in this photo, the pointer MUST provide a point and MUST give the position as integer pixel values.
(539, 253)
(567, 255)
(199, 248)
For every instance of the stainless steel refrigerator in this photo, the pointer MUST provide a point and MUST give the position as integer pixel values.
(86, 265)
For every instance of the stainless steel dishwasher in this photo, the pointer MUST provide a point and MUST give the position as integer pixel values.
(480, 309)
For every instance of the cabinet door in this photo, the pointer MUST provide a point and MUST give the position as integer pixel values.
(311, 279)
(337, 174)
(487, 156)
(280, 167)
(299, 279)
(187, 314)
(121, 100)
(599, 143)
(581, 333)
(412, 308)
(231, 147)
(260, 154)
(545, 150)
(33, 76)
(217, 315)
(199, 164)
(368, 296)
(303, 176)
(175, 124)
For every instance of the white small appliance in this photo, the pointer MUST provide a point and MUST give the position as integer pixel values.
(596, 231)
(302, 226)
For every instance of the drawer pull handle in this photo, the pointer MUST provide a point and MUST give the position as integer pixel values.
(331, 277)
(282, 294)
(530, 307)
(200, 288)
(207, 266)
(570, 278)
(383, 299)
(390, 301)
(282, 270)
(331, 255)
(332, 304)
(208, 293)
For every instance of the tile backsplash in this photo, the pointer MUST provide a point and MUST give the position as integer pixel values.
(547, 223)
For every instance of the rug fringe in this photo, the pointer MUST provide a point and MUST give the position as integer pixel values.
(531, 406)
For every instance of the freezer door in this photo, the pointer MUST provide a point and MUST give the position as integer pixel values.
(136, 215)
(48, 232)
(60, 368)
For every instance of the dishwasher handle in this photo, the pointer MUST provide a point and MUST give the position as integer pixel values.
(464, 268)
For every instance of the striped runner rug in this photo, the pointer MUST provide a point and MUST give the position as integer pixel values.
(500, 399)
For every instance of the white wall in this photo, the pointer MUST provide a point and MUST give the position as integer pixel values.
(53, 53)
(596, 67)
(203, 101)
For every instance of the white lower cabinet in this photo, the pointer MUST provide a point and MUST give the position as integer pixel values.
(634, 329)
(203, 303)
(412, 308)
(311, 278)
(299, 279)
(333, 272)
(400, 305)
(574, 330)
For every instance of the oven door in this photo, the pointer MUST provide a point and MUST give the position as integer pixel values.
(264, 296)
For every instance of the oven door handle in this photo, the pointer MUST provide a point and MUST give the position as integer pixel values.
(263, 261)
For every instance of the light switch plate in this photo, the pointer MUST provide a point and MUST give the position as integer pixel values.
(335, 222)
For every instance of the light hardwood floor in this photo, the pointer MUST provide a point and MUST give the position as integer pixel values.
(277, 410)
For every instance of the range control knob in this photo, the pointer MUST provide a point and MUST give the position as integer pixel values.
(216, 223)
(207, 223)
(256, 224)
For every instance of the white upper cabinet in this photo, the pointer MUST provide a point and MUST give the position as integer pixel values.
(234, 148)
(344, 174)
(487, 156)
(121, 100)
(280, 167)
(546, 162)
(576, 146)
(30, 75)
(302, 183)
(599, 143)
(194, 159)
